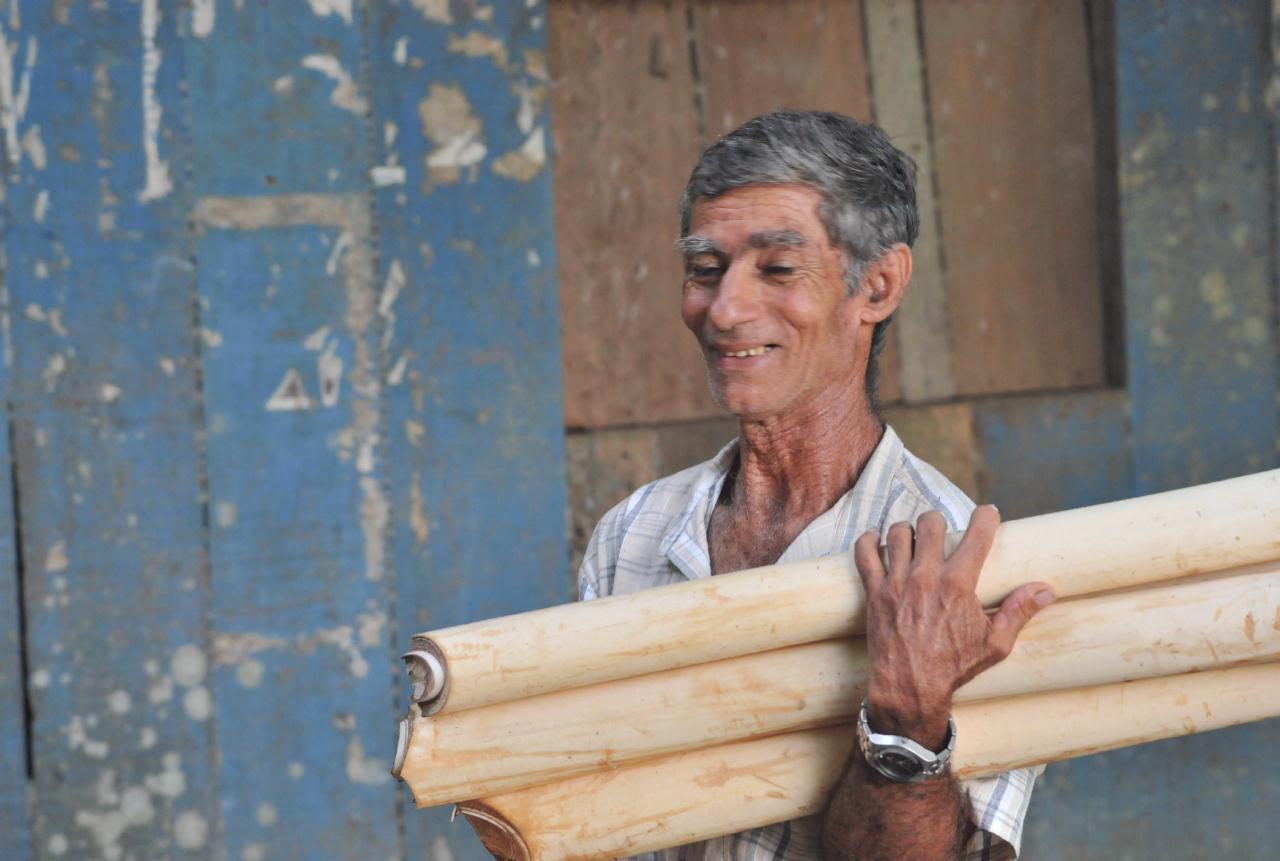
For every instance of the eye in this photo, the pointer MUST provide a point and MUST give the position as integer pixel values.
(704, 272)
(778, 270)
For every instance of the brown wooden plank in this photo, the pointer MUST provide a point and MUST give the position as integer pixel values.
(921, 340)
(757, 55)
(1011, 106)
(625, 140)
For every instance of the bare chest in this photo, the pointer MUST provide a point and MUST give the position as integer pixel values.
(738, 542)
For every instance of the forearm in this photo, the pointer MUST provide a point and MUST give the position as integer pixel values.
(872, 818)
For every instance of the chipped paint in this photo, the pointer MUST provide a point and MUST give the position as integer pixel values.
(524, 163)
(190, 830)
(188, 665)
(448, 122)
(476, 44)
(203, 17)
(158, 183)
(290, 395)
(417, 511)
(345, 95)
(434, 10)
(323, 8)
(367, 770)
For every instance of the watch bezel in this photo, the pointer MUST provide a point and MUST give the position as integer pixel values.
(881, 749)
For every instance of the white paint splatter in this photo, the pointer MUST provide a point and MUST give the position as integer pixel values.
(253, 852)
(291, 395)
(161, 690)
(211, 338)
(77, 731)
(198, 704)
(203, 16)
(296, 770)
(316, 340)
(170, 782)
(384, 175)
(370, 771)
(53, 371)
(119, 702)
(158, 183)
(33, 146)
(190, 830)
(57, 844)
(340, 247)
(266, 814)
(13, 105)
(188, 665)
(109, 392)
(524, 163)
(434, 10)
(147, 738)
(400, 53)
(447, 120)
(55, 558)
(41, 207)
(323, 8)
(440, 850)
(224, 514)
(40, 679)
(329, 367)
(395, 376)
(345, 95)
(250, 673)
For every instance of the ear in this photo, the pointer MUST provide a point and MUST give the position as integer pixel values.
(884, 283)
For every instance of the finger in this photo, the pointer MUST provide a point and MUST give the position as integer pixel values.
(966, 562)
(866, 556)
(931, 528)
(1014, 613)
(901, 537)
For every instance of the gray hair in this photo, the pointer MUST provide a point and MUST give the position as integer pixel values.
(867, 186)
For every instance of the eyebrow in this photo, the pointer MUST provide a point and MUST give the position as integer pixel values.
(692, 246)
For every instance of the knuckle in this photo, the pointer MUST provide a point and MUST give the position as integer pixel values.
(932, 519)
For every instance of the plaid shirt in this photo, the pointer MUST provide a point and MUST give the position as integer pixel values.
(658, 535)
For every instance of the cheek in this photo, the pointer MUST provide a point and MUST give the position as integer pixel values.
(693, 307)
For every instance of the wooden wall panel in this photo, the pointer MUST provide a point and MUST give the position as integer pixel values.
(106, 438)
(625, 140)
(758, 55)
(1011, 107)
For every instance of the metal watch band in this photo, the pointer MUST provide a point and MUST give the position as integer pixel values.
(900, 758)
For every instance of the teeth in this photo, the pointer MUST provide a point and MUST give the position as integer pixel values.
(742, 354)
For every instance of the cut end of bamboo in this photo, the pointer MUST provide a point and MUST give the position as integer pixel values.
(402, 746)
(498, 836)
(425, 666)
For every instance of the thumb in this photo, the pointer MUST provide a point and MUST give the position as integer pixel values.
(1014, 613)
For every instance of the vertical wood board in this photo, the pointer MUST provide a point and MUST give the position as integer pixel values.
(105, 406)
(625, 134)
(1196, 139)
(1013, 139)
(920, 335)
(472, 396)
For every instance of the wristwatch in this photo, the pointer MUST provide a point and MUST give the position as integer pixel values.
(898, 757)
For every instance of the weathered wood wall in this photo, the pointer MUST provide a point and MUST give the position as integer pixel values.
(1094, 311)
(281, 376)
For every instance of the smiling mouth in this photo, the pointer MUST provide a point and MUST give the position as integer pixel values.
(743, 354)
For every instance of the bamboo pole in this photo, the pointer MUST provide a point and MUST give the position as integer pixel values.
(723, 790)
(1116, 545)
(1157, 631)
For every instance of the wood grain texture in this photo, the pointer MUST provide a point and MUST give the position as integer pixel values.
(706, 793)
(755, 56)
(625, 137)
(1135, 541)
(1163, 630)
(921, 335)
(1014, 146)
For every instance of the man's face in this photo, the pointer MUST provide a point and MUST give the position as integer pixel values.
(764, 294)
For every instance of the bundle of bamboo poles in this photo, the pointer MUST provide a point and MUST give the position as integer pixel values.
(643, 721)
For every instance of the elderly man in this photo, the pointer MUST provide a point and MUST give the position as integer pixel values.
(795, 230)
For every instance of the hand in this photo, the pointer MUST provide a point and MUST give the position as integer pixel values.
(927, 634)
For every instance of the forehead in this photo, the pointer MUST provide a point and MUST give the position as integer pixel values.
(737, 215)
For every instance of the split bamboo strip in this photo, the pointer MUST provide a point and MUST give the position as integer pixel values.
(723, 790)
(1157, 631)
(1116, 545)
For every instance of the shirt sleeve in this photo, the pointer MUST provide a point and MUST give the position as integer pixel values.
(595, 575)
(998, 807)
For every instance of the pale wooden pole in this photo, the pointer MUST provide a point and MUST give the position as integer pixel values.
(1120, 544)
(1156, 631)
(723, 790)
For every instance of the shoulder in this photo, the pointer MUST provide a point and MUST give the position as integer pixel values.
(637, 526)
(917, 487)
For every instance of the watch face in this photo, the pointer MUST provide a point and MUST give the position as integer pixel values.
(901, 764)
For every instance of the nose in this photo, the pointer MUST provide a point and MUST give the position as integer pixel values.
(737, 299)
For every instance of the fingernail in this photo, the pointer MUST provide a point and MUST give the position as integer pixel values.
(1044, 597)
